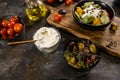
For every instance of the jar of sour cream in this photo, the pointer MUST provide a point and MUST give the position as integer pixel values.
(47, 39)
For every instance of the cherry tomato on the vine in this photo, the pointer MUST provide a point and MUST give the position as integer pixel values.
(57, 18)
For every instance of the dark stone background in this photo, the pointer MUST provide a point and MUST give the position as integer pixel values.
(25, 62)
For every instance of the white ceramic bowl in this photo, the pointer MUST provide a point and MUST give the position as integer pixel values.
(48, 39)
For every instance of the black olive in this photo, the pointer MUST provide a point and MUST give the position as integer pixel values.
(62, 11)
(76, 0)
(60, 1)
(71, 46)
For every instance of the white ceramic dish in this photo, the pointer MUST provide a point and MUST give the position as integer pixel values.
(48, 39)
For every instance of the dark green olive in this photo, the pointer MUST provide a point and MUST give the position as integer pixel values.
(62, 11)
(114, 27)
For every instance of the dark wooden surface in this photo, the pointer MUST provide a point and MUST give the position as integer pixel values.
(25, 62)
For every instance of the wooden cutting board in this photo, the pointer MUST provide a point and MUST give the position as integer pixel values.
(109, 41)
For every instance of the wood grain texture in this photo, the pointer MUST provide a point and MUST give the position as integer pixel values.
(109, 41)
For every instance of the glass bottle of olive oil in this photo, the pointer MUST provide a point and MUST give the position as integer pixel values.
(35, 11)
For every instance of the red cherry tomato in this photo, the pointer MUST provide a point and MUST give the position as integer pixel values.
(0, 24)
(57, 17)
(11, 36)
(14, 19)
(3, 31)
(50, 1)
(18, 27)
(11, 24)
(4, 37)
(10, 31)
(68, 2)
(5, 23)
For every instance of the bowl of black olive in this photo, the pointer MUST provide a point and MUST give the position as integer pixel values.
(93, 14)
(81, 54)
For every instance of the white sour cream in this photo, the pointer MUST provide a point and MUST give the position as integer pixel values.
(91, 11)
(47, 39)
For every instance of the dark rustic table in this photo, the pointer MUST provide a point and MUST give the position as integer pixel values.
(25, 62)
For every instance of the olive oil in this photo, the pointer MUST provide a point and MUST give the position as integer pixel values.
(35, 11)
